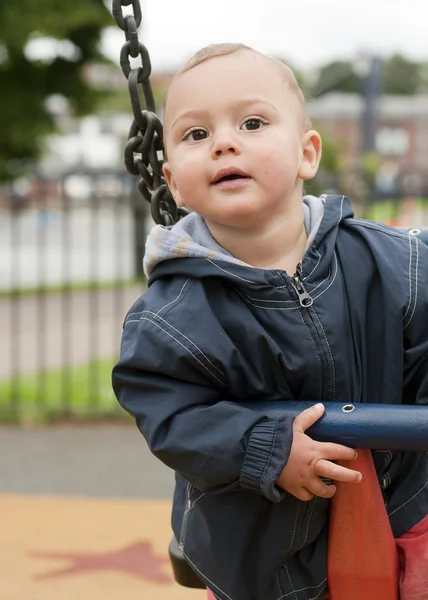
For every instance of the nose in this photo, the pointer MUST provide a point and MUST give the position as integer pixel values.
(224, 142)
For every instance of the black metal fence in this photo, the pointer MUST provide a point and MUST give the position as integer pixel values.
(70, 266)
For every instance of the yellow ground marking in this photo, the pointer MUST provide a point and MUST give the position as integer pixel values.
(66, 548)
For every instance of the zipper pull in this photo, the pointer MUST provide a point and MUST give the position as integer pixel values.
(304, 298)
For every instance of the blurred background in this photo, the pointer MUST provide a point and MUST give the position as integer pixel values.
(73, 225)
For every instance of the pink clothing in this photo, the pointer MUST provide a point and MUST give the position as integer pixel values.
(412, 548)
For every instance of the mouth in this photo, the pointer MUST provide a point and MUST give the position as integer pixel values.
(231, 174)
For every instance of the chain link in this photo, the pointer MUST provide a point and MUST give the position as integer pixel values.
(144, 151)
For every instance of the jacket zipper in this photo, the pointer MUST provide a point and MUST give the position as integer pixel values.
(305, 298)
(306, 301)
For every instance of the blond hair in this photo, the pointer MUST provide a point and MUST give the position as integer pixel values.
(216, 50)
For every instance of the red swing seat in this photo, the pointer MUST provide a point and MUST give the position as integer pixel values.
(362, 556)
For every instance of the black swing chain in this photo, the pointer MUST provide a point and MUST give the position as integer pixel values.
(144, 151)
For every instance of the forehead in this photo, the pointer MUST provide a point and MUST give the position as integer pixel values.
(221, 79)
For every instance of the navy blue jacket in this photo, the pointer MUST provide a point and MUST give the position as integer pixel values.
(210, 334)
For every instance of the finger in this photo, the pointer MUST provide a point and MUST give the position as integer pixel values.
(325, 468)
(321, 489)
(308, 417)
(303, 494)
(332, 451)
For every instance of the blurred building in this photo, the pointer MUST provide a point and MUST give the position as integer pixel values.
(401, 138)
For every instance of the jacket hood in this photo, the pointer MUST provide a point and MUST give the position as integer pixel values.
(167, 247)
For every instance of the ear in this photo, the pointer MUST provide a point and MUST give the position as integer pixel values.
(170, 180)
(311, 154)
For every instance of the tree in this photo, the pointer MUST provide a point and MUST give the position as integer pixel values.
(337, 76)
(401, 76)
(27, 83)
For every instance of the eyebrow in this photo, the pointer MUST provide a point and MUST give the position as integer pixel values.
(196, 114)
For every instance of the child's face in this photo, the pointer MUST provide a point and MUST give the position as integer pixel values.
(235, 116)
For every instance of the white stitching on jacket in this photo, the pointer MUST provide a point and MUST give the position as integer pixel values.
(189, 507)
(295, 524)
(233, 274)
(331, 354)
(204, 576)
(377, 227)
(183, 530)
(245, 298)
(332, 281)
(178, 342)
(316, 266)
(341, 210)
(139, 314)
(321, 282)
(297, 305)
(284, 286)
(134, 314)
(316, 353)
(410, 278)
(175, 299)
(278, 287)
(416, 286)
(278, 584)
(189, 340)
(409, 500)
(271, 301)
(289, 579)
(309, 521)
(309, 587)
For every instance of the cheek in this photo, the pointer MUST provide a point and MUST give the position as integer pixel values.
(189, 185)
(274, 164)
(280, 160)
(185, 174)
(266, 162)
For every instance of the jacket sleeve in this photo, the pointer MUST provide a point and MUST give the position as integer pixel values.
(179, 399)
(415, 330)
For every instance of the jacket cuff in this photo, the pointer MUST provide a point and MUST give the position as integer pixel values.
(266, 455)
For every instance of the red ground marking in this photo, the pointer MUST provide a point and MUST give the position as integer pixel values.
(137, 560)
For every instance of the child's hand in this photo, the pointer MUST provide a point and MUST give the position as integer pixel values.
(310, 460)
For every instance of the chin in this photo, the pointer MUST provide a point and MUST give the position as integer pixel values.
(241, 209)
(239, 219)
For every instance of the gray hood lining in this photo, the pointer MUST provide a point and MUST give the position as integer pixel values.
(191, 238)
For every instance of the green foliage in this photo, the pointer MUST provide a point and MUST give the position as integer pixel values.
(399, 76)
(337, 76)
(370, 163)
(78, 391)
(27, 83)
(119, 100)
(329, 171)
(330, 161)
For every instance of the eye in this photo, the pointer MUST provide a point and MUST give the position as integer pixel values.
(195, 135)
(253, 123)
